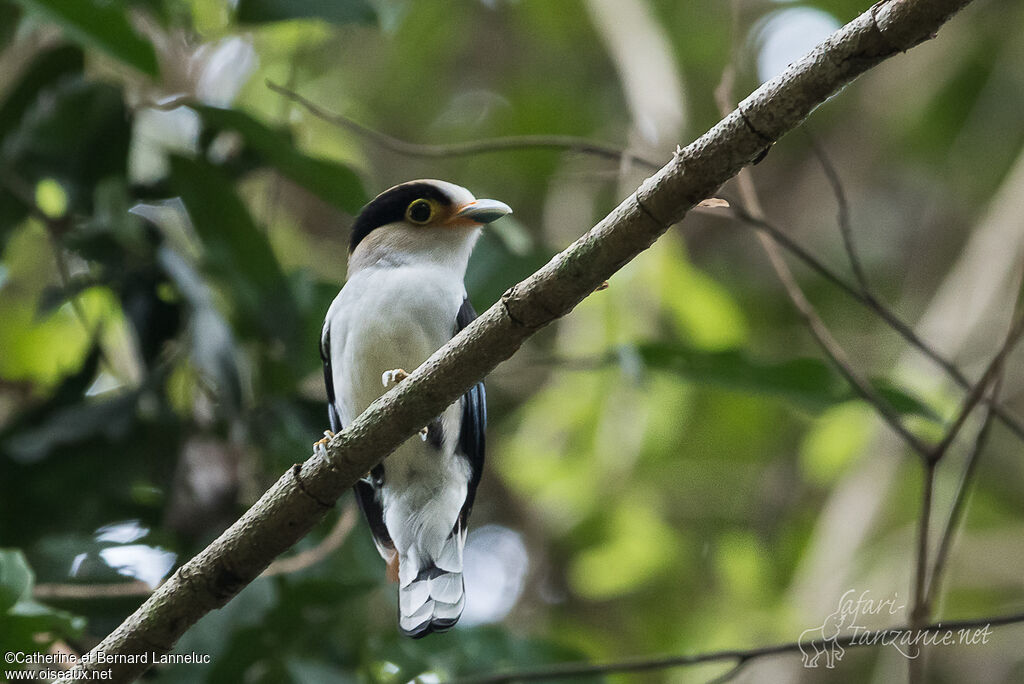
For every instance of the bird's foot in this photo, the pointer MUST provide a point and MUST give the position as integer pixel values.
(393, 377)
(328, 436)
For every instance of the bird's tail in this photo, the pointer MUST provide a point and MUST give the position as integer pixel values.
(431, 592)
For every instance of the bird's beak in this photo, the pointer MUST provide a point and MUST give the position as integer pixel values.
(480, 211)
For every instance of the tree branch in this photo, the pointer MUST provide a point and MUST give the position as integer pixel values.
(559, 143)
(302, 496)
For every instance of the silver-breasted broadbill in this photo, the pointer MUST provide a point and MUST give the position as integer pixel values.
(404, 297)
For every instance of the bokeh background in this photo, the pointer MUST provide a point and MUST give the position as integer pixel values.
(673, 468)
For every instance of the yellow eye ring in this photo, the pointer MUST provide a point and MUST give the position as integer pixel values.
(421, 211)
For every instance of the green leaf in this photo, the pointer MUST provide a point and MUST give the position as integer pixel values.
(903, 402)
(68, 393)
(334, 11)
(15, 578)
(112, 419)
(808, 382)
(76, 133)
(332, 182)
(47, 69)
(55, 296)
(22, 620)
(234, 245)
(239, 254)
(213, 345)
(103, 26)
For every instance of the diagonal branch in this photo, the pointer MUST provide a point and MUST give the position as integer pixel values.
(303, 495)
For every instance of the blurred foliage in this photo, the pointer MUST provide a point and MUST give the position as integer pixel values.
(24, 618)
(674, 455)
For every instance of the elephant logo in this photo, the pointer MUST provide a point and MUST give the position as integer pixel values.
(824, 640)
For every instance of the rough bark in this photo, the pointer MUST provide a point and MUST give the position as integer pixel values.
(301, 497)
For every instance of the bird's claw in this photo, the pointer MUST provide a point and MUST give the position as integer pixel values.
(393, 377)
(328, 436)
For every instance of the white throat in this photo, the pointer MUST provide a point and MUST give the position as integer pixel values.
(400, 244)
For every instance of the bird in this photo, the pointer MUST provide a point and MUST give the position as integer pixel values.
(405, 297)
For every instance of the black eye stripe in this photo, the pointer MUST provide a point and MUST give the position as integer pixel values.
(391, 205)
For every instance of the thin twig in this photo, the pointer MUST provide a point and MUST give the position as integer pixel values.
(921, 610)
(919, 613)
(977, 392)
(842, 211)
(993, 375)
(731, 673)
(328, 545)
(855, 640)
(881, 310)
(54, 591)
(956, 512)
(563, 143)
(273, 196)
(833, 350)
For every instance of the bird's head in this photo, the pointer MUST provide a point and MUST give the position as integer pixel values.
(424, 220)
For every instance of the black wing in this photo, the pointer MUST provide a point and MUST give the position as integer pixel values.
(474, 422)
(365, 491)
(325, 356)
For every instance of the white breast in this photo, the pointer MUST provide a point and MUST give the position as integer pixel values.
(395, 317)
(386, 318)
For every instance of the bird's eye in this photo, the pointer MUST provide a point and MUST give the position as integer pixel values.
(421, 211)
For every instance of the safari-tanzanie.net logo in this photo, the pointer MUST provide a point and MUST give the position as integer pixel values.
(824, 644)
